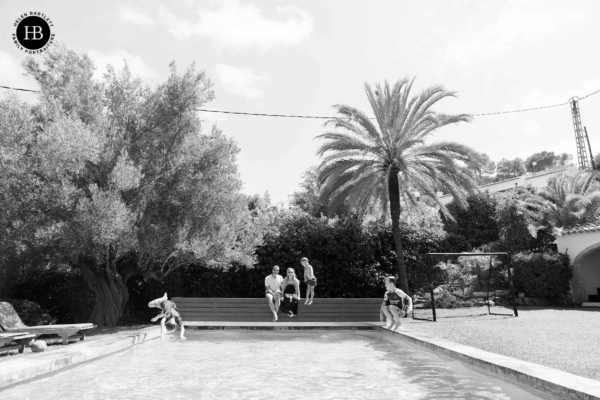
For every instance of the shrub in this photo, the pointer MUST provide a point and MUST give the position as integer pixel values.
(341, 251)
(541, 274)
(31, 313)
(61, 291)
(475, 225)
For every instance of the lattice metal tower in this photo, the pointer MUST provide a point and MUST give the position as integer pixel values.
(582, 156)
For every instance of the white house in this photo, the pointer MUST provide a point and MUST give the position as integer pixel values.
(582, 244)
(537, 180)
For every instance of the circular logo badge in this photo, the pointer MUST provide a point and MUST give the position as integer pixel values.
(33, 32)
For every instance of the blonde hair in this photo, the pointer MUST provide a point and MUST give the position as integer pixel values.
(287, 275)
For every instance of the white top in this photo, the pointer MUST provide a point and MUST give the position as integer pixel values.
(274, 283)
(308, 272)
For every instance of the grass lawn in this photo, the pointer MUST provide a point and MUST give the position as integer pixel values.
(55, 342)
(563, 338)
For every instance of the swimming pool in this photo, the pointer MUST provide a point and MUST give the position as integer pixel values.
(244, 364)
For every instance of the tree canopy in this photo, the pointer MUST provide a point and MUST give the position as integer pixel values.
(389, 159)
(116, 178)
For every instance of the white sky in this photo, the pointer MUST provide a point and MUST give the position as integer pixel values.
(302, 57)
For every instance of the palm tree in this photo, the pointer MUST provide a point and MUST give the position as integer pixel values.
(572, 199)
(391, 159)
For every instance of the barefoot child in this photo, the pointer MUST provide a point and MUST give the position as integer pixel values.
(392, 304)
(169, 315)
(310, 279)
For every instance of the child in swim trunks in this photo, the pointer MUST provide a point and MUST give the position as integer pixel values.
(169, 315)
(392, 306)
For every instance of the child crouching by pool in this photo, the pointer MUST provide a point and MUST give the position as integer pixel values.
(392, 304)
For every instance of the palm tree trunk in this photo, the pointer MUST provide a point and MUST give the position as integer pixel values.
(394, 192)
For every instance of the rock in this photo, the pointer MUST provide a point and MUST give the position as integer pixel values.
(445, 304)
(519, 301)
(529, 301)
(501, 302)
(540, 301)
(451, 298)
(438, 291)
(502, 292)
(492, 304)
(563, 301)
(458, 304)
(38, 346)
(483, 294)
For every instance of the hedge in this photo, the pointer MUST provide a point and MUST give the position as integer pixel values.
(544, 275)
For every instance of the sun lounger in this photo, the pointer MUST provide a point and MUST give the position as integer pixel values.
(11, 322)
(21, 338)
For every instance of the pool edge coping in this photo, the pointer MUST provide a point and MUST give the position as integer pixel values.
(563, 385)
(20, 370)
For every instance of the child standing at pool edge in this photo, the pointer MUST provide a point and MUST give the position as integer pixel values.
(392, 304)
(310, 279)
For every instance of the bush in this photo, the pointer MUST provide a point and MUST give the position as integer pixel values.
(195, 280)
(341, 251)
(61, 291)
(475, 225)
(31, 313)
(544, 275)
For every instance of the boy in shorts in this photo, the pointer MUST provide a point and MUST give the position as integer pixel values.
(310, 279)
(392, 304)
(169, 315)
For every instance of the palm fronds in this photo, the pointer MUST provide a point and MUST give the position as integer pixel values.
(572, 199)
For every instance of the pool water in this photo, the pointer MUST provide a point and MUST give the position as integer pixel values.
(288, 364)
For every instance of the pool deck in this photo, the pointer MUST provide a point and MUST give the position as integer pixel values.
(562, 385)
(31, 366)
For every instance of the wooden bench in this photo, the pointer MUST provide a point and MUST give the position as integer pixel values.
(257, 309)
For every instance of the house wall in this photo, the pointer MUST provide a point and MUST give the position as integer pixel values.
(584, 253)
(575, 244)
(537, 180)
(590, 269)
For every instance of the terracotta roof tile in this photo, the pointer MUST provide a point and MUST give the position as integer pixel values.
(583, 228)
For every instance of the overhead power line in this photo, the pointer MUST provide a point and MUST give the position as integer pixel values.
(262, 115)
(323, 117)
(22, 90)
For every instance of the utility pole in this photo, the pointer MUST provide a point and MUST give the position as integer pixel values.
(582, 157)
(590, 149)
